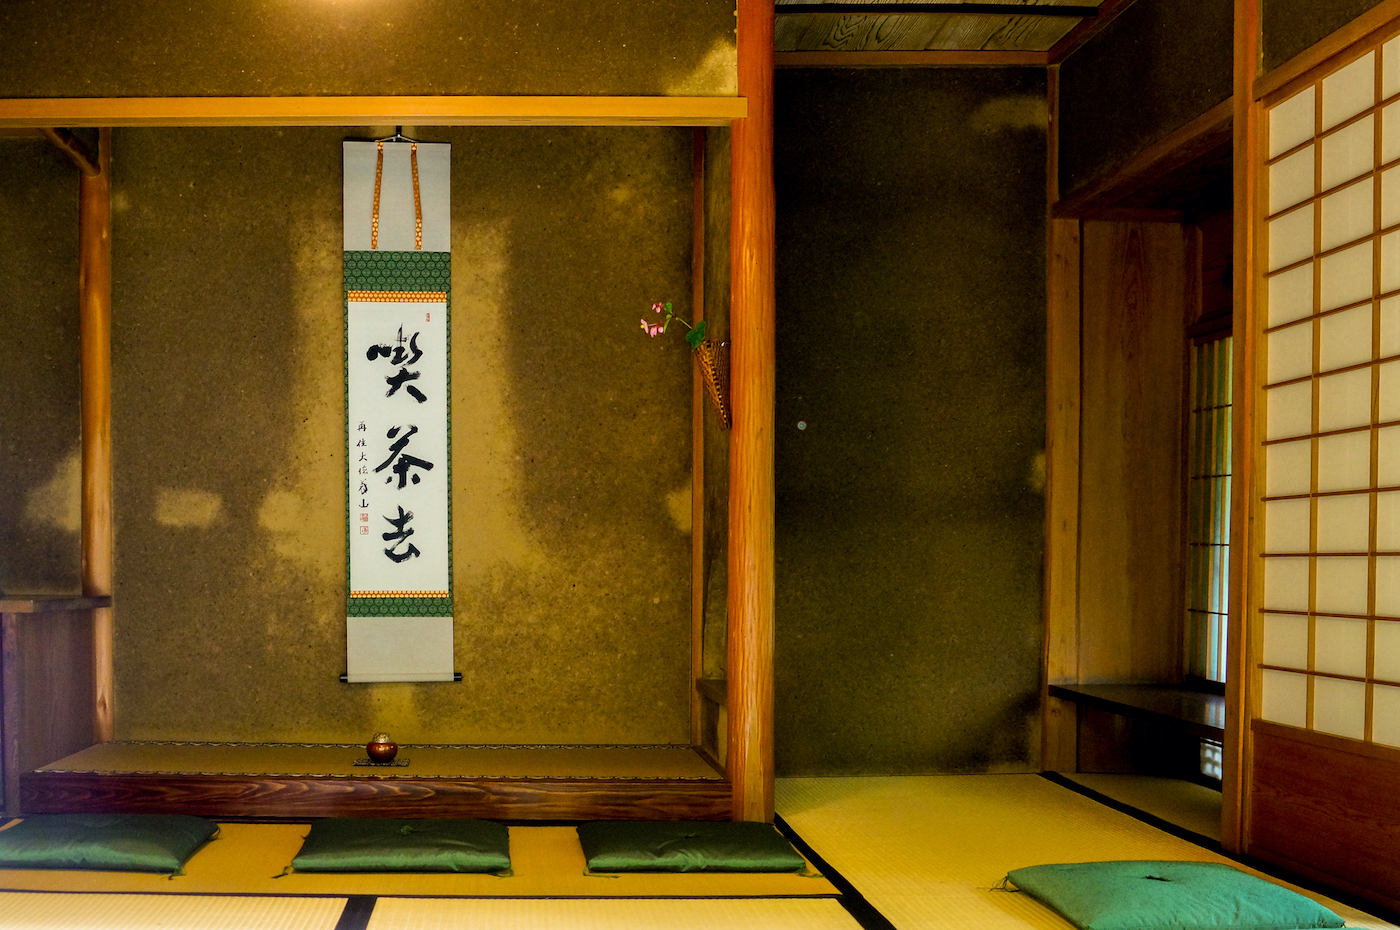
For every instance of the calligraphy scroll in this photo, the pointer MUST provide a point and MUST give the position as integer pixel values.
(398, 423)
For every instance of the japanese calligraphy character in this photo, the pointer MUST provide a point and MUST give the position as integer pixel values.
(404, 460)
(399, 536)
(403, 357)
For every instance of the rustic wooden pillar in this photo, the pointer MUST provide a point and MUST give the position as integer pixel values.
(752, 357)
(1240, 693)
(95, 309)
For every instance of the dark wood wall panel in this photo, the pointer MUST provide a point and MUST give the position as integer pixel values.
(1130, 568)
(1323, 806)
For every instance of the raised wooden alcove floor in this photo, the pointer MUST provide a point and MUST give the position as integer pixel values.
(279, 781)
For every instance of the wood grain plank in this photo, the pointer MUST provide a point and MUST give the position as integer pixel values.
(1317, 802)
(50, 603)
(1131, 490)
(247, 797)
(751, 444)
(1244, 641)
(1078, 36)
(11, 703)
(1028, 32)
(370, 111)
(916, 59)
(95, 333)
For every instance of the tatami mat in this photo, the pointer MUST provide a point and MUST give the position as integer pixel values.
(25, 911)
(760, 914)
(547, 861)
(926, 851)
(272, 759)
(1181, 803)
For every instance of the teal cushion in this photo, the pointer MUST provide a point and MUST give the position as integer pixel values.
(686, 846)
(108, 842)
(364, 844)
(1168, 896)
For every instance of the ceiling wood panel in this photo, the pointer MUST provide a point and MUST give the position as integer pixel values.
(887, 32)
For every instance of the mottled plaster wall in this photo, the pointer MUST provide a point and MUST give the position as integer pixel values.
(1290, 26)
(40, 499)
(153, 48)
(571, 440)
(911, 307)
(717, 219)
(1152, 70)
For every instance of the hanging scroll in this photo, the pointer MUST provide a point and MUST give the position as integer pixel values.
(398, 426)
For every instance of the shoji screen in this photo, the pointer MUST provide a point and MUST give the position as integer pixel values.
(1331, 456)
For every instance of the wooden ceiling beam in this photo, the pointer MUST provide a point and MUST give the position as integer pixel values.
(960, 9)
(933, 58)
(1087, 29)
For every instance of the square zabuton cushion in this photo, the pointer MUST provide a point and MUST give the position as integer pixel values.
(686, 846)
(373, 844)
(107, 842)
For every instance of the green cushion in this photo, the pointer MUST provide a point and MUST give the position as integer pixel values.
(109, 842)
(356, 844)
(1168, 896)
(686, 846)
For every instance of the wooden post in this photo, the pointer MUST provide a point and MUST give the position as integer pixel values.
(1239, 675)
(95, 309)
(750, 647)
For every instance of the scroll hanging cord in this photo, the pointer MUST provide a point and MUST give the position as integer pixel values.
(417, 199)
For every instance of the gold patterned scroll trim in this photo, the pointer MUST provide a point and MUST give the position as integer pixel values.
(399, 593)
(398, 297)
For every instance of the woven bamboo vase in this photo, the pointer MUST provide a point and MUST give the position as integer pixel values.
(713, 358)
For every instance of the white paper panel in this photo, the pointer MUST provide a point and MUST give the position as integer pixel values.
(1388, 457)
(1288, 411)
(1344, 523)
(1390, 133)
(1344, 400)
(1344, 461)
(1292, 179)
(1291, 295)
(1348, 153)
(1390, 262)
(1340, 646)
(1388, 586)
(1385, 715)
(1285, 698)
(1390, 327)
(1339, 707)
(1291, 237)
(1292, 122)
(1288, 468)
(1341, 585)
(1346, 276)
(1290, 352)
(1388, 522)
(399, 648)
(1346, 338)
(1348, 91)
(1387, 650)
(1286, 584)
(1288, 525)
(1390, 69)
(1348, 214)
(1389, 408)
(1286, 640)
(1390, 198)
(397, 216)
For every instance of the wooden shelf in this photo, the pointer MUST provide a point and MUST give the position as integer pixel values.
(1190, 711)
(50, 603)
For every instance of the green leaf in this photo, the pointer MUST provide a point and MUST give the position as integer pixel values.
(696, 335)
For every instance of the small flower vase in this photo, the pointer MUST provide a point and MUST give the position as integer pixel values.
(713, 358)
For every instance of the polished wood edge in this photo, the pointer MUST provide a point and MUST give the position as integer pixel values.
(369, 111)
(45, 604)
(932, 58)
(1302, 870)
(715, 690)
(697, 432)
(290, 797)
(1304, 67)
(1077, 37)
(750, 600)
(1242, 640)
(1212, 128)
(1122, 709)
(73, 147)
(1271, 730)
(10, 698)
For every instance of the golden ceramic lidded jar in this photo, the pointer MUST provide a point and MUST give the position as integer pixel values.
(381, 748)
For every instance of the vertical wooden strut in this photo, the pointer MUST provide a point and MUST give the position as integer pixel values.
(750, 647)
(95, 312)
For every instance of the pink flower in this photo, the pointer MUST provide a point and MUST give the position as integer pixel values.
(653, 329)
